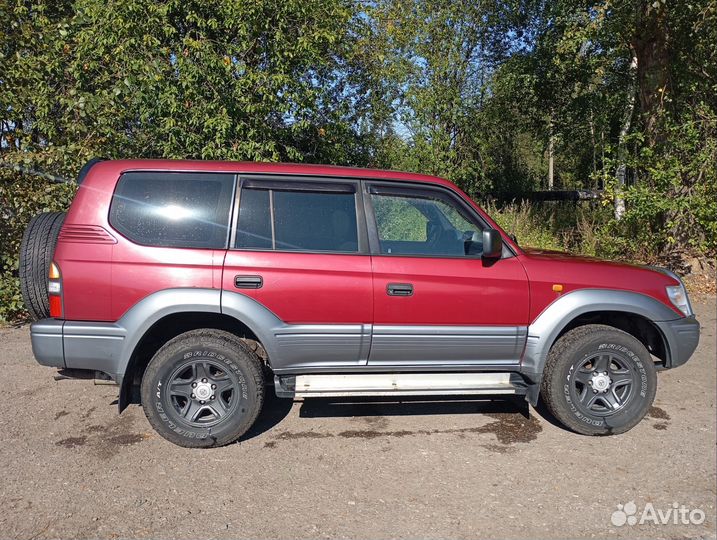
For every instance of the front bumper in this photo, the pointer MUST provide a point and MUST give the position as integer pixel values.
(682, 336)
(78, 345)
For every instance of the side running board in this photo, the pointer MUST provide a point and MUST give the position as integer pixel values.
(398, 384)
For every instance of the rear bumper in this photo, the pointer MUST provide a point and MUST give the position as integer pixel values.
(47, 346)
(78, 345)
(683, 336)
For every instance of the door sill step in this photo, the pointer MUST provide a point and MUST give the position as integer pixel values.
(398, 384)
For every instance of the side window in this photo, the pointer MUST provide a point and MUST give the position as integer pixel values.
(424, 223)
(254, 227)
(399, 220)
(297, 220)
(315, 221)
(181, 210)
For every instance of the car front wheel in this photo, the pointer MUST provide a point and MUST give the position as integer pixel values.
(599, 380)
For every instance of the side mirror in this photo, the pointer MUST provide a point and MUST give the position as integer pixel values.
(492, 244)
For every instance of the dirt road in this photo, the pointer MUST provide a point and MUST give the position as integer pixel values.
(73, 468)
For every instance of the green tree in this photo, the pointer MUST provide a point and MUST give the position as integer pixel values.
(258, 80)
(438, 57)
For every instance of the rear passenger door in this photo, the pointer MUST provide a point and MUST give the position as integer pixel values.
(299, 247)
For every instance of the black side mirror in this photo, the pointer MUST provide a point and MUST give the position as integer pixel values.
(492, 244)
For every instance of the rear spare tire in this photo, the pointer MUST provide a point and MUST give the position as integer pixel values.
(36, 251)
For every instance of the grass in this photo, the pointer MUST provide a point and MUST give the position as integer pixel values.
(577, 228)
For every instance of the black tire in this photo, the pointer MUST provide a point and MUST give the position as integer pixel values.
(36, 251)
(599, 380)
(208, 360)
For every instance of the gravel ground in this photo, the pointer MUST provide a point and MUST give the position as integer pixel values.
(73, 468)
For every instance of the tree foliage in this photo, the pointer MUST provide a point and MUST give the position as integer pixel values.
(240, 80)
(618, 91)
(622, 95)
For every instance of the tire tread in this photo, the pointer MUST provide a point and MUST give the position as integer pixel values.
(219, 338)
(36, 251)
(552, 393)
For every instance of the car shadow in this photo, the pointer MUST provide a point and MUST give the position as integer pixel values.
(542, 409)
(411, 406)
(512, 411)
(272, 413)
(276, 409)
(510, 419)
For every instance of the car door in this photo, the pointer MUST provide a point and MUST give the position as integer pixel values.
(437, 303)
(300, 250)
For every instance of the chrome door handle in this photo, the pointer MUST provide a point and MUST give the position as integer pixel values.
(248, 282)
(399, 289)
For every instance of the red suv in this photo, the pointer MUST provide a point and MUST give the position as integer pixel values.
(197, 283)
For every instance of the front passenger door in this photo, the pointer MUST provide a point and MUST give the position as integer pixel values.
(437, 303)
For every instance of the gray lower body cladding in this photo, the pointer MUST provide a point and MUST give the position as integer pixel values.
(398, 345)
(79, 345)
(682, 337)
(47, 345)
(311, 346)
(299, 349)
(307, 349)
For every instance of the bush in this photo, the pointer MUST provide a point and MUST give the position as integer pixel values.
(21, 197)
(671, 204)
(577, 228)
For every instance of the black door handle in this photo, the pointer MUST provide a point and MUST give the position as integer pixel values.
(248, 282)
(399, 289)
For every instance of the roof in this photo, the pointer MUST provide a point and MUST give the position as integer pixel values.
(103, 174)
(248, 167)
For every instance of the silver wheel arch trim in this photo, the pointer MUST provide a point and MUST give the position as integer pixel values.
(151, 309)
(544, 330)
(542, 333)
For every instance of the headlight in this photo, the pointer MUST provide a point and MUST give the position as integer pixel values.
(676, 293)
(678, 297)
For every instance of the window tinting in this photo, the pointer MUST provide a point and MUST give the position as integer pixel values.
(173, 209)
(315, 221)
(425, 225)
(303, 220)
(254, 227)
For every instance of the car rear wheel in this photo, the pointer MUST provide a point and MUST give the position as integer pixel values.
(36, 251)
(203, 388)
(599, 380)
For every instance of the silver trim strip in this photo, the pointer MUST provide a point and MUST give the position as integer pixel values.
(445, 345)
(390, 384)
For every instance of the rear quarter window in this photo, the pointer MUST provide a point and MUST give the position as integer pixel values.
(184, 210)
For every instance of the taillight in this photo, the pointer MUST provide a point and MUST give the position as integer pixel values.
(54, 290)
